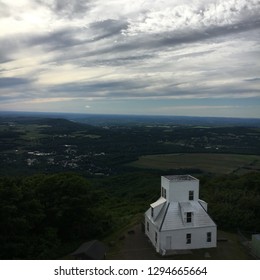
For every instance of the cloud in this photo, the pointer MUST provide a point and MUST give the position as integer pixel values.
(56, 40)
(107, 28)
(49, 100)
(66, 8)
(4, 10)
(253, 80)
(129, 50)
(193, 15)
(13, 82)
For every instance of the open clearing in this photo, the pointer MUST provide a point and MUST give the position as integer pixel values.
(213, 163)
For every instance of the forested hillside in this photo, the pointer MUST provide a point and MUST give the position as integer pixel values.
(49, 216)
(234, 201)
(43, 216)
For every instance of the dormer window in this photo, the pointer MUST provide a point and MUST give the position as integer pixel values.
(188, 217)
(191, 195)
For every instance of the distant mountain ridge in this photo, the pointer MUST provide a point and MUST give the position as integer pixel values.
(108, 119)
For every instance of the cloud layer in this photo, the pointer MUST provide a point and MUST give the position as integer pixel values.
(64, 52)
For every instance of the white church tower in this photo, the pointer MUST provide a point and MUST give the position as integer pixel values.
(178, 220)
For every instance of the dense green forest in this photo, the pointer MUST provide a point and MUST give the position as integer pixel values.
(42, 216)
(234, 201)
(48, 216)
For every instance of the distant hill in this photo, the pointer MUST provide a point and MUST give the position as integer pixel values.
(102, 120)
(164, 120)
(52, 122)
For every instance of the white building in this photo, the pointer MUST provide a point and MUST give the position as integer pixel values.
(178, 220)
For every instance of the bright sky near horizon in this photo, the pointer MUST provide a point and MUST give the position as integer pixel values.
(153, 57)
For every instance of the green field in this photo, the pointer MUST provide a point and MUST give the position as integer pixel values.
(213, 163)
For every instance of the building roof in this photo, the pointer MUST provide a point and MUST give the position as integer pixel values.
(186, 206)
(158, 202)
(179, 178)
(93, 250)
(171, 216)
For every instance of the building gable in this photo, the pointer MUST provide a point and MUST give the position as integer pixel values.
(156, 207)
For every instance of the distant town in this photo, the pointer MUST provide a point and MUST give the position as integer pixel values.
(33, 143)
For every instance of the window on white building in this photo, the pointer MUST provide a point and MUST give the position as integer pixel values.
(191, 195)
(164, 192)
(208, 236)
(152, 212)
(188, 217)
(147, 226)
(188, 238)
(156, 236)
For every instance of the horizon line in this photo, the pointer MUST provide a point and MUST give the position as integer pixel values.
(126, 115)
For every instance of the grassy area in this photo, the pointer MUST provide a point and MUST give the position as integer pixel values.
(214, 163)
(31, 132)
(83, 134)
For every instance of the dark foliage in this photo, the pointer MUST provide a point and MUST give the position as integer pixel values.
(41, 214)
(234, 201)
(48, 216)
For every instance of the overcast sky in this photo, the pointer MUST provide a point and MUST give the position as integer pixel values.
(157, 57)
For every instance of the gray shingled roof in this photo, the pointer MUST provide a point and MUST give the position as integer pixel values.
(171, 216)
(174, 219)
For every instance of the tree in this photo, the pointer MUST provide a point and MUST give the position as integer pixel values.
(42, 214)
